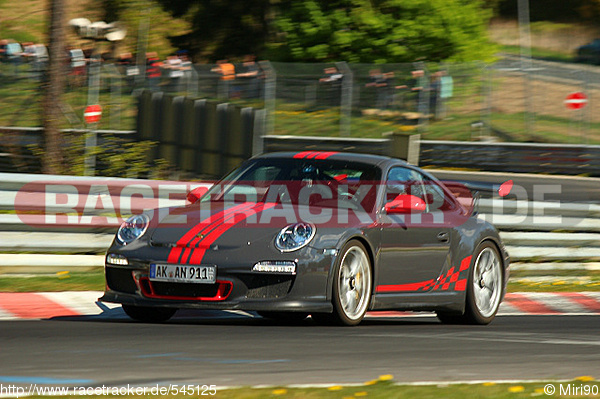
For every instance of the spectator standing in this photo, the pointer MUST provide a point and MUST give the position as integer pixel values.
(434, 93)
(418, 84)
(446, 91)
(249, 75)
(379, 81)
(153, 74)
(174, 72)
(331, 82)
(226, 70)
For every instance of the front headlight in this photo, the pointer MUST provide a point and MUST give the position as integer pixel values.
(295, 236)
(132, 229)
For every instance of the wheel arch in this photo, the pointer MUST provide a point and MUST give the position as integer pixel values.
(370, 253)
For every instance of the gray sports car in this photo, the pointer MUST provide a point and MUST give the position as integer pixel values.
(326, 234)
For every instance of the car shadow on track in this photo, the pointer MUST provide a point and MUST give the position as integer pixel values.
(215, 317)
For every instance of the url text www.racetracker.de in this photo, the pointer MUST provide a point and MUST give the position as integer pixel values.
(125, 390)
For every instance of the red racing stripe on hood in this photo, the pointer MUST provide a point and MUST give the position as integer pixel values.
(198, 253)
(213, 220)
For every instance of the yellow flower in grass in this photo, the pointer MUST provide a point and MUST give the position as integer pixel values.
(516, 389)
(279, 392)
(335, 388)
(585, 378)
(63, 275)
(386, 377)
(360, 394)
(489, 384)
(372, 382)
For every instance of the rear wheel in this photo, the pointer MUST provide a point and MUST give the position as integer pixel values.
(351, 291)
(484, 288)
(149, 314)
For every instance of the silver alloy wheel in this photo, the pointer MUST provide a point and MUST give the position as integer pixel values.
(354, 283)
(487, 282)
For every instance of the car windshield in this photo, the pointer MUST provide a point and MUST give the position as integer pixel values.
(319, 182)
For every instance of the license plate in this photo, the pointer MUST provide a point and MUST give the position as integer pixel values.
(183, 273)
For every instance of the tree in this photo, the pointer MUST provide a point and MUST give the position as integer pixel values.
(336, 30)
(53, 90)
(382, 31)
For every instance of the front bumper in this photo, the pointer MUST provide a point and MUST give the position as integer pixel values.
(237, 286)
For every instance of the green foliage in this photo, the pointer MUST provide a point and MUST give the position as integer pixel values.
(336, 30)
(115, 157)
(382, 31)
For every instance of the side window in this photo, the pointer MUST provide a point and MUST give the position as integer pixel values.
(435, 197)
(404, 181)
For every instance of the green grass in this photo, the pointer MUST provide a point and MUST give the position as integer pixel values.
(385, 389)
(62, 281)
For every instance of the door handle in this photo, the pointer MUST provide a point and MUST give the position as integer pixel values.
(443, 236)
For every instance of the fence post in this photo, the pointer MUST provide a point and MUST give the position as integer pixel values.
(269, 93)
(423, 98)
(346, 100)
(258, 141)
(406, 146)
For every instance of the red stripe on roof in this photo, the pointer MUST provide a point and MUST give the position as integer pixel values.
(325, 155)
(27, 305)
(303, 154)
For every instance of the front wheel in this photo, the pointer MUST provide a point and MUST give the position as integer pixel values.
(352, 283)
(149, 314)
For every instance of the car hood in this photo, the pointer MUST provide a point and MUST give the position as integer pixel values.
(202, 224)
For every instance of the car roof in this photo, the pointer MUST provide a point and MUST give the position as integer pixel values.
(333, 155)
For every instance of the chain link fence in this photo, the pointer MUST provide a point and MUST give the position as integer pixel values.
(507, 101)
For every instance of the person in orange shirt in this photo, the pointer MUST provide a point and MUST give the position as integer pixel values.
(227, 72)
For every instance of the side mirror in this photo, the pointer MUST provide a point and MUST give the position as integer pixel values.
(404, 204)
(194, 195)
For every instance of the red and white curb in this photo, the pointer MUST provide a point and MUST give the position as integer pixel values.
(47, 305)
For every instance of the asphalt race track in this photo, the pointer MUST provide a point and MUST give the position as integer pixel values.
(253, 351)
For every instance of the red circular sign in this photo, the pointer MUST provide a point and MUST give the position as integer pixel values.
(92, 113)
(576, 100)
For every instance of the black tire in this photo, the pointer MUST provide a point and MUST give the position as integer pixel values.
(284, 317)
(349, 282)
(149, 314)
(478, 309)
